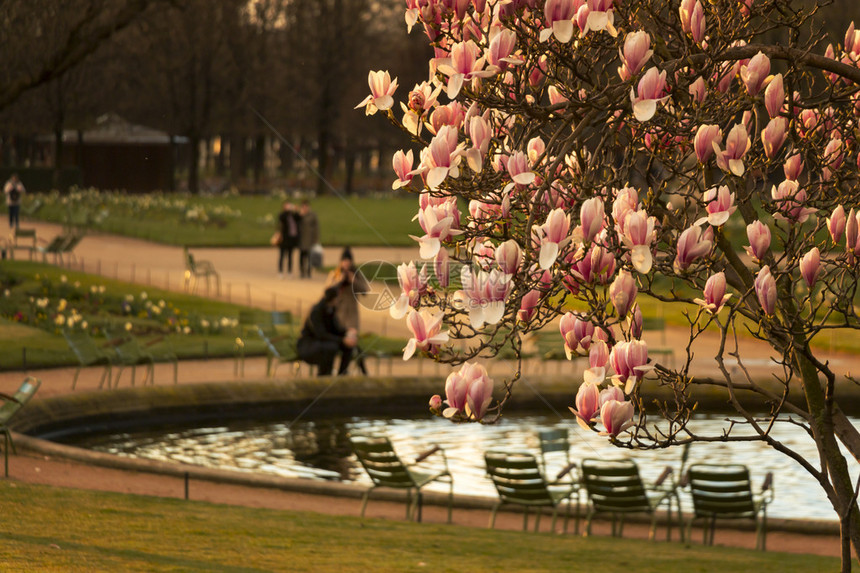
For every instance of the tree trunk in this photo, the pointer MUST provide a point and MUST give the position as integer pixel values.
(194, 164)
(259, 158)
(823, 431)
(237, 159)
(58, 155)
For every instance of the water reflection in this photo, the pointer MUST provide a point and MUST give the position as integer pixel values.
(319, 450)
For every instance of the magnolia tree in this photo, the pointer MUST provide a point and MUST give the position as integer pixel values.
(703, 154)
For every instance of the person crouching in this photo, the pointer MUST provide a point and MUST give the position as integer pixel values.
(323, 336)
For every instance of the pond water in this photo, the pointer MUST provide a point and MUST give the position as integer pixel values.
(319, 450)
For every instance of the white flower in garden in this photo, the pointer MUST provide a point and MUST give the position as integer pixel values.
(61, 306)
(60, 320)
(128, 326)
(63, 279)
(204, 323)
(186, 330)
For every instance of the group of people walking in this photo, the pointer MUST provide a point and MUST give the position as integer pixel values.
(298, 230)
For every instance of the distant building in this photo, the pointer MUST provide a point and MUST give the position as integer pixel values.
(116, 154)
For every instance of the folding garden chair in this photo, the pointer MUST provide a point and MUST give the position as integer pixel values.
(10, 406)
(519, 481)
(615, 487)
(386, 469)
(726, 492)
(89, 354)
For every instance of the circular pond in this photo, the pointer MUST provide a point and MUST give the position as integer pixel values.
(319, 450)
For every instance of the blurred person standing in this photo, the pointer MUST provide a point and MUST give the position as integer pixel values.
(14, 191)
(309, 235)
(289, 220)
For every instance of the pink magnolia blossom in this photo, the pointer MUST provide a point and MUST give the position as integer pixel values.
(441, 158)
(382, 90)
(810, 266)
(852, 226)
(480, 132)
(630, 361)
(599, 16)
(559, 20)
(518, 169)
(635, 54)
(591, 216)
(737, 145)
(758, 234)
(707, 138)
(765, 290)
(439, 221)
(587, 404)
(698, 90)
(453, 114)
(616, 417)
(793, 167)
(464, 65)
(480, 396)
(638, 236)
(442, 268)
(598, 358)
(715, 293)
(509, 256)
(773, 136)
(412, 285)
(692, 245)
(720, 206)
(575, 331)
(528, 306)
(421, 100)
(651, 91)
(833, 157)
(502, 47)
(556, 98)
(693, 19)
(594, 266)
(836, 223)
(611, 393)
(435, 404)
(755, 72)
(626, 199)
(535, 149)
(468, 391)
(553, 236)
(483, 295)
(622, 293)
(426, 332)
(790, 200)
(774, 96)
(402, 163)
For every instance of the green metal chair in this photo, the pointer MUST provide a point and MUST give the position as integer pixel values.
(280, 344)
(89, 354)
(726, 492)
(130, 354)
(615, 487)
(195, 269)
(556, 443)
(386, 469)
(11, 405)
(24, 239)
(519, 481)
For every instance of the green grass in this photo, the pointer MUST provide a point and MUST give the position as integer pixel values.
(57, 529)
(250, 220)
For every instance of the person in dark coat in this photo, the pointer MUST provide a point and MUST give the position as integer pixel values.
(323, 336)
(288, 220)
(309, 235)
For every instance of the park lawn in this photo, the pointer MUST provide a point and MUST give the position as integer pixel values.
(234, 219)
(25, 345)
(57, 529)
